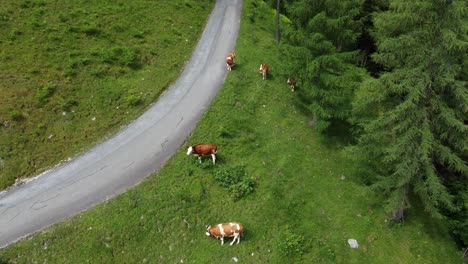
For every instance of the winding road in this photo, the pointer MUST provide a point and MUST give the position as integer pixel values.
(136, 151)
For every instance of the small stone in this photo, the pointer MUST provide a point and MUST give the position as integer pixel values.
(94, 119)
(235, 259)
(252, 254)
(342, 177)
(353, 243)
(64, 113)
(50, 136)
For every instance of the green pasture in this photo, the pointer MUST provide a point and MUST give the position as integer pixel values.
(73, 72)
(307, 199)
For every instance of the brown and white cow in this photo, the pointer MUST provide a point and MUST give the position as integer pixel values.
(264, 70)
(200, 150)
(230, 60)
(226, 230)
(292, 84)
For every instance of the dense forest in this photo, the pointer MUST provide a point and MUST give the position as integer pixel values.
(390, 75)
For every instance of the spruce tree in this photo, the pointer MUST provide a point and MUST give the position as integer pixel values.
(319, 50)
(414, 116)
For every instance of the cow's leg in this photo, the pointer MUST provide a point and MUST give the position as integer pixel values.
(199, 159)
(236, 236)
(222, 241)
(214, 158)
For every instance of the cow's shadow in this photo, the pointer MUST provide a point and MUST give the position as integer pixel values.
(207, 162)
(237, 67)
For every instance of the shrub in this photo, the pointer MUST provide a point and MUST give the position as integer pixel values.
(45, 92)
(290, 243)
(68, 104)
(16, 116)
(235, 180)
(133, 100)
(91, 30)
(241, 189)
(227, 177)
(122, 56)
(14, 34)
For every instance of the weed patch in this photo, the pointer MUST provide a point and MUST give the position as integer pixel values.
(235, 180)
(290, 243)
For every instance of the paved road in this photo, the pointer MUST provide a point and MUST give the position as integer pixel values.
(135, 152)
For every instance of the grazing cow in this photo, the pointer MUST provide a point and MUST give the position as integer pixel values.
(292, 84)
(230, 60)
(200, 150)
(264, 70)
(226, 230)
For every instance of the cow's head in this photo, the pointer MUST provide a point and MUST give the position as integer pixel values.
(261, 67)
(208, 231)
(189, 150)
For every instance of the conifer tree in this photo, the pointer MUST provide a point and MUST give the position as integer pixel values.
(414, 116)
(319, 49)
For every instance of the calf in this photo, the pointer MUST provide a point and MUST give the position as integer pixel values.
(200, 150)
(264, 70)
(226, 230)
(292, 84)
(230, 60)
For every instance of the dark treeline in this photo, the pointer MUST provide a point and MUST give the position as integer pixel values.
(394, 72)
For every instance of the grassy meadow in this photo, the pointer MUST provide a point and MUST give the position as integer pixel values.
(73, 72)
(307, 199)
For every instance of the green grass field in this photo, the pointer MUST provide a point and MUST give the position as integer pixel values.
(306, 204)
(73, 72)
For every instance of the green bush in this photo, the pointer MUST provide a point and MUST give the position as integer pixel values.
(226, 177)
(122, 56)
(290, 243)
(235, 179)
(45, 92)
(16, 116)
(68, 104)
(133, 100)
(242, 189)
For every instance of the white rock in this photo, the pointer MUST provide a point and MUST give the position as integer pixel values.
(235, 259)
(353, 243)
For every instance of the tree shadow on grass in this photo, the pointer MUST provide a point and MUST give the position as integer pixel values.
(338, 134)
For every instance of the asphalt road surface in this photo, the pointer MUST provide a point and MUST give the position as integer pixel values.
(136, 151)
